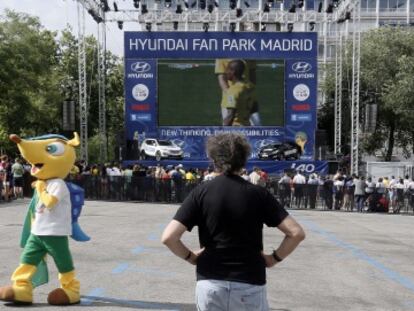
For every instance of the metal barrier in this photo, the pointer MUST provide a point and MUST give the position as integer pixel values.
(122, 188)
(306, 196)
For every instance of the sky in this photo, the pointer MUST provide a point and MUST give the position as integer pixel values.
(56, 14)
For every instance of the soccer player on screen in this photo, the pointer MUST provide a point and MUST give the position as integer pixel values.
(249, 75)
(239, 96)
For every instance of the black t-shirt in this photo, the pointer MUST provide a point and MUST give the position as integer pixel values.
(230, 213)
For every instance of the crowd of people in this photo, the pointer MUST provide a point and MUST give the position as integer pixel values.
(11, 178)
(349, 193)
(171, 183)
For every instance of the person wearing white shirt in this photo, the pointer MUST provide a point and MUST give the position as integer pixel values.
(255, 176)
(298, 181)
(406, 181)
(399, 202)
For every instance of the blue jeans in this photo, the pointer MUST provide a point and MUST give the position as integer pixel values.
(215, 295)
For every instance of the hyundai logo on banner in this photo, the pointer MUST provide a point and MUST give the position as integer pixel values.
(301, 71)
(301, 67)
(140, 67)
(140, 71)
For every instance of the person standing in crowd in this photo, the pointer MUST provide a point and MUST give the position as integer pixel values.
(392, 192)
(328, 192)
(399, 198)
(359, 193)
(339, 183)
(349, 189)
(299, 182)
(255, 176)
(406, 181)
(410, 193)
(244, 175)
(210, 174)
(7, 177)
(284, 189)
(369, 193)
(18, 172)
(230, 213)
(312, 190)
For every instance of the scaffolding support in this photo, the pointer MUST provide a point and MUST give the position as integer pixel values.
(355, 124)
(83, 106)
(338, 93)
(219, 18)
(103, 152)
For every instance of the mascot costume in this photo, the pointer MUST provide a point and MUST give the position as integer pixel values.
(51, 218)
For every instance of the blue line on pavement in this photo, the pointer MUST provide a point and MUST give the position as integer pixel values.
(132, 303)
(137, 250)
(88, 300)
(153, 272)
(142, 249)
(389, 273)
(120, 268)
(153, 237)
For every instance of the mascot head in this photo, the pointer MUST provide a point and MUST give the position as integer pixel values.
(51, 156)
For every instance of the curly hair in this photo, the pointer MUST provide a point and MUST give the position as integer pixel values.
(228, 151)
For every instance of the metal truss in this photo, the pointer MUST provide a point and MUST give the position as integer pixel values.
(356, 60)
(221, 16)
(96, 10)
(103, 152)
(338, 94)
(83, 106)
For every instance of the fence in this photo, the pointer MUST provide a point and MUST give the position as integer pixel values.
(306, 196)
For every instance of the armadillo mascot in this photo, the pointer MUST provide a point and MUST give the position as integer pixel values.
(51, 218)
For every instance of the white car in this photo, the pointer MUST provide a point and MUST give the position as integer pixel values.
(160, 149)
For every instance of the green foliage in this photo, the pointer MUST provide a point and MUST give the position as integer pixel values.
(387, 68)
(39, 70)
(27, 88)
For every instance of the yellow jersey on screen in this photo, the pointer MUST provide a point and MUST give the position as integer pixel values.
(220, 68)
(240, 97)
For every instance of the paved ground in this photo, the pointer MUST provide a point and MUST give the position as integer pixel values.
(349, 261)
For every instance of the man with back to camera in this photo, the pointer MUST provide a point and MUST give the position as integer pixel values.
(230, 212)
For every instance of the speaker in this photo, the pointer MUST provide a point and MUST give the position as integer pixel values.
(132, 150)
(120, 146)
(68, 115)
(321, 138)
(333, 167)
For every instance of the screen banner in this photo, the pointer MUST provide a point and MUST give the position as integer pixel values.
(301, 104)
(282, 94)
(192, 140)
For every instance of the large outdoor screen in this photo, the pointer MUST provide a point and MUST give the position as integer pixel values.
(189, 93)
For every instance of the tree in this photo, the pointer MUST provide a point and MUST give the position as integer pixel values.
(387, 68)
(39, 70)
(27, 88)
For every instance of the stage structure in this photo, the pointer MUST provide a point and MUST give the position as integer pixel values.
(231, 16)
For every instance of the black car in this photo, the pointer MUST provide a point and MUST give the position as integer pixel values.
(280, 151)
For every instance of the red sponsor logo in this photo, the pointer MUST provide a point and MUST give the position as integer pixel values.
(301, 107)
(140, 107)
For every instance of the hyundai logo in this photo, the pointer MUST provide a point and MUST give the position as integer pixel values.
(301, 67)
(140, 67)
